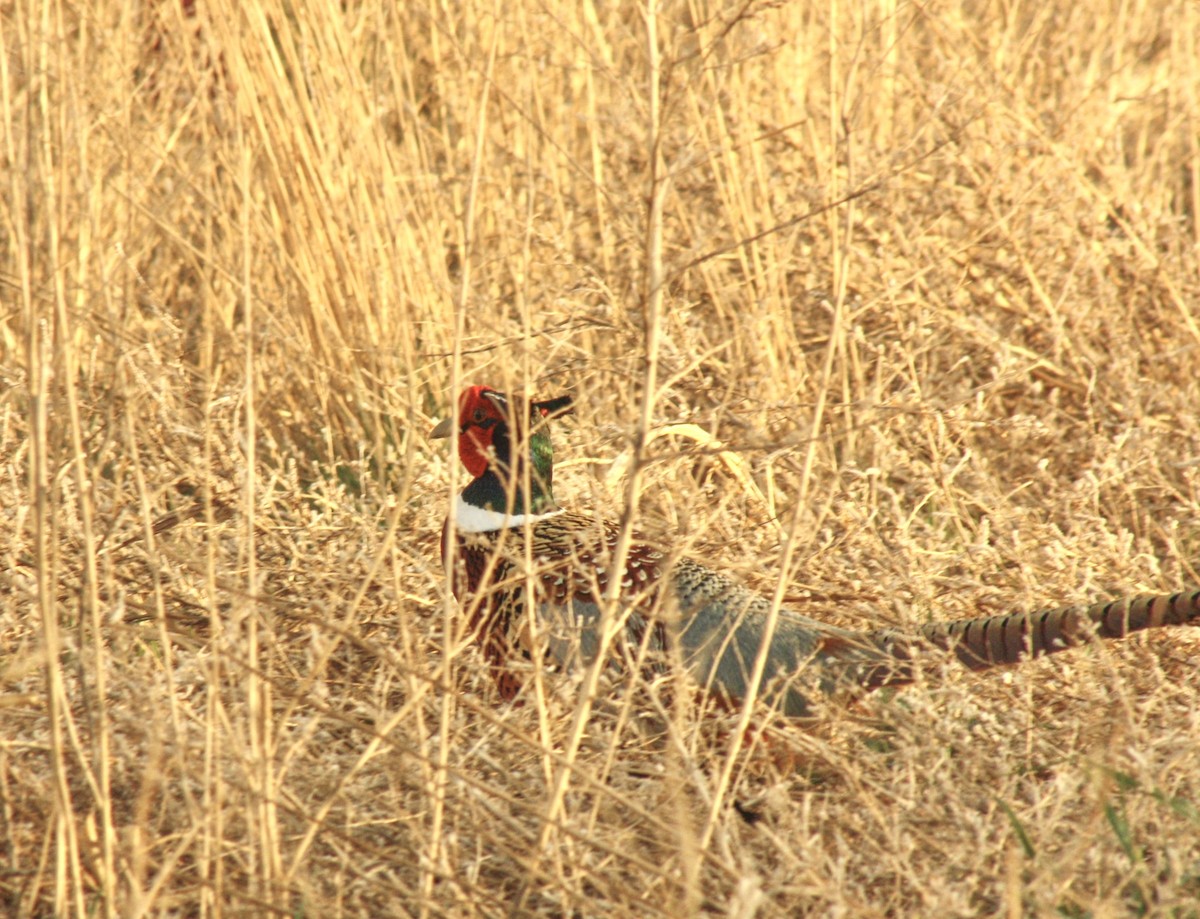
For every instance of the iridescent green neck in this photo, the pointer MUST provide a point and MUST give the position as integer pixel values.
(501, 488)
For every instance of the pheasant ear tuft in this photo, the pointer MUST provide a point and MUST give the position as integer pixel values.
(552, 408)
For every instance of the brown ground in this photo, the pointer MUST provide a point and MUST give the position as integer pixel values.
(930, 272)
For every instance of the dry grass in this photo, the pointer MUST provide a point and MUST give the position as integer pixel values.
(930, 271)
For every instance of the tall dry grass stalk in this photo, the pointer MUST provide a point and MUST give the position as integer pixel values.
(922, 279)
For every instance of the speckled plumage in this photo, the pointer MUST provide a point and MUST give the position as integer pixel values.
(715, 622)
(680, 607)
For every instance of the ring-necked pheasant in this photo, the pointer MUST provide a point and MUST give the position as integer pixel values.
(512, 538)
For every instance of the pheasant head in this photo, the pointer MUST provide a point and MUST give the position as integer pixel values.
(504, 443)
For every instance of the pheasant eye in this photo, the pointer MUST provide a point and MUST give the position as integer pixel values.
(478, 415)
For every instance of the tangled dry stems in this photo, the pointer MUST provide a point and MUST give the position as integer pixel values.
(931, 273)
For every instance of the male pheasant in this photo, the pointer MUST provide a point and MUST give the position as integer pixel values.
(531, 577)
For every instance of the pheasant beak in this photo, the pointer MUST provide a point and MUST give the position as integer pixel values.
(444, 428)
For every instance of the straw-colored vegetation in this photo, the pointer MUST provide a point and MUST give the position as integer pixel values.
(928, 271)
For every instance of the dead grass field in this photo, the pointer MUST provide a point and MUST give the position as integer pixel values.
(929, 271)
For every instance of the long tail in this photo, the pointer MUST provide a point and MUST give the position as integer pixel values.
(996, 640)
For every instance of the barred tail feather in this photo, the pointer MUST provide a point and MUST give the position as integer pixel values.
(997, 640)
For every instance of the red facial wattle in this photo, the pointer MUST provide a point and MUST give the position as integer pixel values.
(475, 439)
